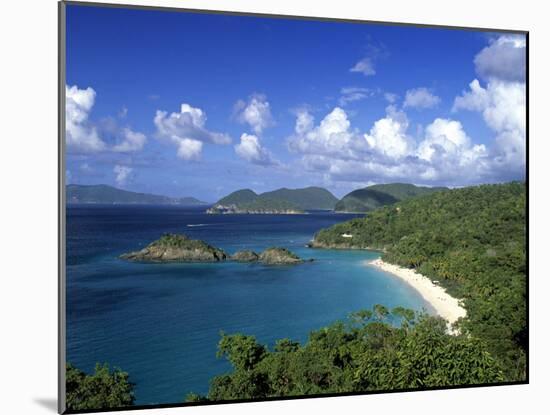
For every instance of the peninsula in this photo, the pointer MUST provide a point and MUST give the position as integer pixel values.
(280, 201)
(467, 244)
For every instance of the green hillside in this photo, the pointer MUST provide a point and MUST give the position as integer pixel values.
(473, 241)
(295, 200)
(373, 197)
(307, 198)
(238, 197)
(104, 194)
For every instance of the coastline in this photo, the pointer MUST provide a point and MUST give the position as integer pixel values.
(444, 304)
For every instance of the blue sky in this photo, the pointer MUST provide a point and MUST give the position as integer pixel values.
(196, 104)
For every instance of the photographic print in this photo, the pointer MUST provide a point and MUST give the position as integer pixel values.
(266, 207)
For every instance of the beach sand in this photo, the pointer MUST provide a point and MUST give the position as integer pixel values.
(446, 306)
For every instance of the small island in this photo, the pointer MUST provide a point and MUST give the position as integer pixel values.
(177, 248)
(271, 256)
(180, 248)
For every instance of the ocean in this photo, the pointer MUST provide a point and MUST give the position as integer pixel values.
(161, 322)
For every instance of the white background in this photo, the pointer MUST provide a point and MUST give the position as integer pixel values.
(28, 231)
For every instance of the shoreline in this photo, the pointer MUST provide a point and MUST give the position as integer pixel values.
(444, 304)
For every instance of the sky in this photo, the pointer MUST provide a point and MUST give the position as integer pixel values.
(190, 104)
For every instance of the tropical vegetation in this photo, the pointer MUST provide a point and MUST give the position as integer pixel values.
(373, 350)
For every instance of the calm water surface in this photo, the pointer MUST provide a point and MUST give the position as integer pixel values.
(161, 322)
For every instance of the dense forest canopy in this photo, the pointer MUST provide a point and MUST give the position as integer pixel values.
(366, 353)
(473, 241)
(378, 195)
(297, 199)
(101, 390)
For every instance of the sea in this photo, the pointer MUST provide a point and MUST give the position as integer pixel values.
(161, 323)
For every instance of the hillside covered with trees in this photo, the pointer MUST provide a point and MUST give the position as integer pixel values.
(378, 195)
(281, 200)
(473, 241)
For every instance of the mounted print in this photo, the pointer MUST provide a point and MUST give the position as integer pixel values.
(258, 207)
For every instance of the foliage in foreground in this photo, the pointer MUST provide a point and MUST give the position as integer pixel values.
(473, 241)
(373, 350)
(101, 390)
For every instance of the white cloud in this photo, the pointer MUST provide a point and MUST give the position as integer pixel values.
(256, 113)
(503, 107)
(122, 174)
(387, 152)
(304, 122)
(132, 141)
(503, 59)
(81, 136)
(189, 149)
(420, 98)
(251, 150)
(333, 135)
(390, 97)
(442, 153)
(186, 129)
(352, 94)
(450, 153)
(364, 66)
(389, 136)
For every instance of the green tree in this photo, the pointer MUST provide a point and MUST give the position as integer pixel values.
(373, 350)
(101, 390)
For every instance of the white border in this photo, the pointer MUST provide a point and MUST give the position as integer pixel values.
(29, 204)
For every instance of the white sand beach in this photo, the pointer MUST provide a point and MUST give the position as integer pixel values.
(445, 305)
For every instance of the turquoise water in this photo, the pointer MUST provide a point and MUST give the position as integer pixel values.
(161, 322)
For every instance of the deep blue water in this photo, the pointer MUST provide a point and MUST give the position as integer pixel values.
(161, 322)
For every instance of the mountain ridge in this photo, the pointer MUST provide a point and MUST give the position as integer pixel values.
(283, 200)
(105, 194)
(378, 195)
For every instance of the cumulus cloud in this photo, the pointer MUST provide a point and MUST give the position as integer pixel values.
(439, 153)
(256, 113)
(388, 152)
(503, 107)
(333, 135)
(504, 58)
(122, 174)
(364, 66)
(388, 136)
(420, 98)
(352, 94)
(304, 122)
(83, 136)
(80, 134)
(502, 101)
(251, 150)
(131, 141)
(186, 129)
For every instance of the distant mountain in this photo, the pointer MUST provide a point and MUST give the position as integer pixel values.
(102, 193)
(277, 201)
(238, 197)
(308, 198)
(373, 197)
